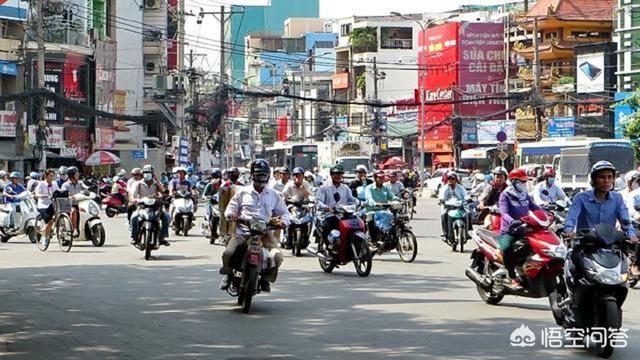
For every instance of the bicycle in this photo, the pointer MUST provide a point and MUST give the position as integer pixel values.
(62, 225)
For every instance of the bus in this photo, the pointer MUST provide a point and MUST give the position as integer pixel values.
(543, 151)
(292, 155)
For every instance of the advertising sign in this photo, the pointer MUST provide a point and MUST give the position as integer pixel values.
(481, 69)
(488, 131)
(55, 138)
(105, 138)
(8, 121)
(469, 132)
(622, 114)
(14, 9)
(183, 152)
(593, 120)
(590, 73)
(562, 127)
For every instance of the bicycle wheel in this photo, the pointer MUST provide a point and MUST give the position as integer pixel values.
(64, 231)
(43, 244)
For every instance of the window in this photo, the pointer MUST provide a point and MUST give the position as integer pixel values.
(550, 35)
(590, 34)
(635, 60)
(345, 30)
(396, 38)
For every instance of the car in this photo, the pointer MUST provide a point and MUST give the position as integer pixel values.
(434, 183)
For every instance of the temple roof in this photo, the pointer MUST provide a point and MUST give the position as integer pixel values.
(574, 10)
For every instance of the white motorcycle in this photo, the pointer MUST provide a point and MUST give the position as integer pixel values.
(24, 215)
(182, 209)
(90, 226)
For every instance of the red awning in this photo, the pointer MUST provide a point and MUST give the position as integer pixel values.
(443, 159)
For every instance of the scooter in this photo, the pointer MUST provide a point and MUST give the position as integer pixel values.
(299, 230)
(458, 213)
(539, 254)
(594, 287)
(25, 215)
(182, 212)
(90, 225)
(150, 223)
(348, 244)
(211, 222)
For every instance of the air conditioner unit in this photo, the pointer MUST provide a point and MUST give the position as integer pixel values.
(152, 4)
(150, 67)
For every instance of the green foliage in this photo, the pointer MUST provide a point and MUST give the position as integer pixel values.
(361, 81)
(565, 80)
(364, 39)
(631, 127)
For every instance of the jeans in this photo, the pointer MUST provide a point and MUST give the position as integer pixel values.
(135, 225)
(506, 241)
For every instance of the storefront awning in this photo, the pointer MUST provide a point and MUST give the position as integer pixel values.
(402, 129)
(476, 153)
(443, 159)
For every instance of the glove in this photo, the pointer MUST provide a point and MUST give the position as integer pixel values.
(515, 223)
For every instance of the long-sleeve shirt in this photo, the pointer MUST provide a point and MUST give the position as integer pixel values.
(325, 197)
(511, 208)
(586, 212)
(13, 190)
(554, 193)
(396, 187)
(376, 194)
(249, 204)
(446, 192)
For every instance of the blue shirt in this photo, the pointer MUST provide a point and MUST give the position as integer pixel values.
(176, 185)
(375, 195)
(586, 212)
(17, 189)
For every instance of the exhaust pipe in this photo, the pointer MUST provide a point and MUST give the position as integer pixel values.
(315, 253)
(478, 279)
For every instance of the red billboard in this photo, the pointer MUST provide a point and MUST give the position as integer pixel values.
(282, 129)
(481, 70)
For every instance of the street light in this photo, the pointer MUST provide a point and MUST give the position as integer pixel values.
(422, 99)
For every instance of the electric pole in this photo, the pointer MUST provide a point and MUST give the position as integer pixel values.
(41, 134)
(536, 79)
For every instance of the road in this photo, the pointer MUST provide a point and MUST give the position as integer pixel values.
(109, 303)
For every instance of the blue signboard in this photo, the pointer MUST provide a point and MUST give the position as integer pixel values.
(469, 132)
(562, 127)
(138, 154)
(183, 153)
(621, 114)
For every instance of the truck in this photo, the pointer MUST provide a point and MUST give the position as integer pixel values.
(347, 153)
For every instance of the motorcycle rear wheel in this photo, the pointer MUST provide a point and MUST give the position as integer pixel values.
(111, 212)
(557, 296)
(407, 246)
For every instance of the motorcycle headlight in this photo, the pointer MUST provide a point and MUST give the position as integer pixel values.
(608, 276)
(556, 251)
(93, 209)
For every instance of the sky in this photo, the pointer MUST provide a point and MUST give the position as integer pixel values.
(328, 9)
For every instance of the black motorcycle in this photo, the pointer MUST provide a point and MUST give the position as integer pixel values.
(299, 231)
(150, 222)
(594, 287)
(394, 232)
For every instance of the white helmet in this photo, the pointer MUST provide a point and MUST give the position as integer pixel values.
(631, 175)
(122, 172)
(479, 176)
(361, 168)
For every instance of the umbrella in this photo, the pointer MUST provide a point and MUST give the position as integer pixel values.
(393, 162)
(102, 158)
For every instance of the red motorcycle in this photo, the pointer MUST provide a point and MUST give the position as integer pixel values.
(114, 205)
(539, 256)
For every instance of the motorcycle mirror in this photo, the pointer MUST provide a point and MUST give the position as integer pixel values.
(545, 193)
(336, 197)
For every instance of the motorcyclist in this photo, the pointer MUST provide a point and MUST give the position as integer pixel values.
(326, 202)
(376, 194)
(631, 194)
(226, 192)
(181, 183)
(150, 187)
(255, 202)
(600, 205)
(213, 185)
(44, 193)
(310, 178)
(298, 188)
(361, 180)
(480, 183)
(62, 176)
(3, 178)
(407, 182)
(73, 186)
(284, 180)
(33, 182)
(119, 189)
(10, 192)
(234, 176)
(546, 191)
(318, 179)
(452, 190)
(136, 175)
(491, 195)
(514, 203)
(394, 185)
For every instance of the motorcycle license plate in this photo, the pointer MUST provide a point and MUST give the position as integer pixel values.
(255, 255)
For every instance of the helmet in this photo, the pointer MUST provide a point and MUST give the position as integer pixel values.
(600, 166)
(136, 171)
(147, 169)
(216, 172)
(549, 173)
(361, 168)
(34, 175)
(3, 173)
(284, 170)
(260, 171)
(452, 174)
(308, 174)
(488, 178)
(297, 171)
(336, 169)
(179, 169)
(72, 170)
(62, 170)
(379, 174)
(122, 172)
(405, 172)
(190, 169)
(631, 175)
(499, 170)
(234, 169)
(479, 176)
(518, 174)
(116, 178)
(15, 174)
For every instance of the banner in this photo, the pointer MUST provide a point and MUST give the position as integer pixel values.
(488, 131)
(469, 132)
(562, 127)
(8, 121)
(590, 73)
(105, 138)
(622, 114)
(55, 138)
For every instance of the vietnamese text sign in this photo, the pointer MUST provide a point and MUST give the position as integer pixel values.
(55, 138)
(488, 130)
(8, 121)
(562, 127)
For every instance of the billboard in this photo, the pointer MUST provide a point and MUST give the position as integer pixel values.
(14, 9)
(488, 131)
(481, 69)
(590, 73)
(562, 127)
(622, 114)
(593, 120)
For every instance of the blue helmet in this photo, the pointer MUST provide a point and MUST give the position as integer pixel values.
(297, 171)
(488, 178)
(34, 175)
(15, 174)
(190, 169)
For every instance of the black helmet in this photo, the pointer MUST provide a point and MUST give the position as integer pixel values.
(72, 170)
(600, 166)
(336, 169)
(216, 173)
(284, 170)
(235, 169)
(260, 171)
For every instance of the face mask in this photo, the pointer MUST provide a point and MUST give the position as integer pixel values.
(215, 180)
(519, 186)
(63, 177)
(148, 177)
(551, 181)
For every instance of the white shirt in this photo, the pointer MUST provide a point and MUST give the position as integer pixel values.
(279, 186)
(291, 190)
(249, 204)
(631, 199)
(44, 188)
(131, 185)
(554, 193)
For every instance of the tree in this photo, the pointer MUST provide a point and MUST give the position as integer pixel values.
(631, 125)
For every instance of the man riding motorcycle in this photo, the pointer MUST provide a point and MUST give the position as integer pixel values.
(279, 185)
(361, 180)
(394, 185)
(546, 191)
(631, 194)
(375, 194)
(11, 191)
(213, 185)
(33, 181)
(181, 183)
(325, 200)
(256, 201)
(73, 186)
(515, 203)
(150, 187)
(481, 184)
(62, 176)
(491, 195)
(298, 190)
(451, 190)
(119, 189)
(136, 175)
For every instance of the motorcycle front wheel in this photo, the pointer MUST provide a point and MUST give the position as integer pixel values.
(363, 260)
(98, 235)
(147, 240)
(407, 246)
(326, 265)
(609, 317)
(249, 288)
(297, 240)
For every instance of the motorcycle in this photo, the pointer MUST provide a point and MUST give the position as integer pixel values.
(182, 212)
(150, 223)
(458, 213)
(114, 205)
(559, 210)
(539, 254)
(594, 287)
(299, 230)
(394, 232)
(211, 222)
(348, 244)
(90, 226)
(25, 216)
(407, 196)
(250, 262)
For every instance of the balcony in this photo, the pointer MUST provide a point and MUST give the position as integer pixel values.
(153, 48)
(406, 44)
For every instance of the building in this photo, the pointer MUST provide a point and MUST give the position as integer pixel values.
(627, 36)
(264, 19)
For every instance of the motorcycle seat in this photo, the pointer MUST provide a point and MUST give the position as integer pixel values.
(490, 237)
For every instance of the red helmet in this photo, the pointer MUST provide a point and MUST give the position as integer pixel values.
(379, 174)
(549, 173)
(518, 174)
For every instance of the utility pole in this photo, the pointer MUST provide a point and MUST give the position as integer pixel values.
(41, 135)
(536, 79)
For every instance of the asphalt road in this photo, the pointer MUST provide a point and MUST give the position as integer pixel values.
(109, 303)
